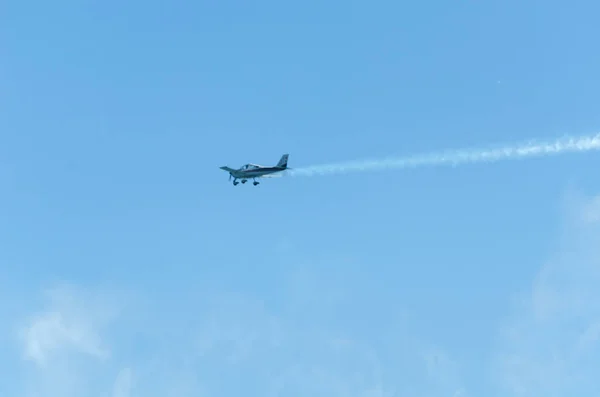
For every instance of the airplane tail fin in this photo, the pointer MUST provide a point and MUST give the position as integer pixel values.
(283, 161)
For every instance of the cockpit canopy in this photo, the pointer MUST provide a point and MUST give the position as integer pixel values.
(249, 167)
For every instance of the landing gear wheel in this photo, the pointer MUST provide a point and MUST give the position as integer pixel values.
(235, 183)
(255, 183)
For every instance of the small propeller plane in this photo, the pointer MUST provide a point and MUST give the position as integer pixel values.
(253, 171)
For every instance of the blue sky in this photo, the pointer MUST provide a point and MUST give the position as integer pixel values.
(130, 266)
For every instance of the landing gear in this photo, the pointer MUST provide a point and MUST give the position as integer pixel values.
(236, 182)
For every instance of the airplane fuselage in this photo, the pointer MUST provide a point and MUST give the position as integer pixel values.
(253, 171)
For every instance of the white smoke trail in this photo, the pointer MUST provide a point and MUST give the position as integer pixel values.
(457, 157)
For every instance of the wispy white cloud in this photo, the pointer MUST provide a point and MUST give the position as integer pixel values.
(221, 344)
(63, 344)
(51, 333)
(214, 342)
(550, 343)
(591, 210)
(209, 342)
(123, 383)
(69, 324)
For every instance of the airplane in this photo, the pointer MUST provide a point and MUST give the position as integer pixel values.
(253, 171)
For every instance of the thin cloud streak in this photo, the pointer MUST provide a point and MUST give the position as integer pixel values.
(453, 158)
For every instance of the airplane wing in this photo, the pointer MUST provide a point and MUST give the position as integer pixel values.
(225, 168)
